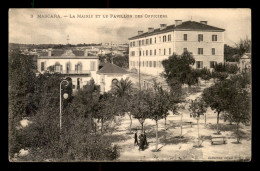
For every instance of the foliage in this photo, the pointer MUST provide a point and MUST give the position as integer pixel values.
(123, 88)
(197, 108)
(178, 70)
(230, 53)
(21, 86)
(205, 74)
(121, 61)
(243, 46)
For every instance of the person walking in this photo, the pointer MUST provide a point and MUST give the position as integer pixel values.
(136, 140)
(141, 144)
(145, 140)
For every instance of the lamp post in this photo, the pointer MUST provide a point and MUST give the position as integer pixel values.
(65, 97)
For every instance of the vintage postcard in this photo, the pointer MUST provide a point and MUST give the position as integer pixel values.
(129, 85)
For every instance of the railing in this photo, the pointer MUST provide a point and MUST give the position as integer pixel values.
(75, 72)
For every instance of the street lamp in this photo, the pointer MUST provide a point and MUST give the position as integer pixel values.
(65, 97)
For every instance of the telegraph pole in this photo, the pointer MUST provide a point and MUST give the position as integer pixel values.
(139, 66)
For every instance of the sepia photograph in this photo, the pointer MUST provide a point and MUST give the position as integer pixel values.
(129, 85)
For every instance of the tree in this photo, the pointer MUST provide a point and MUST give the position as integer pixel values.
(123, 88)
(205, 74)
(158, 106)
(139, 106)
(197, 107)
(123, 91)
(21, 87)
(215, 97)
(243, 46)
(178, 70)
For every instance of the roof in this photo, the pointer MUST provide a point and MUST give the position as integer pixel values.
(109, 68)
(66, 54)
(187, 25)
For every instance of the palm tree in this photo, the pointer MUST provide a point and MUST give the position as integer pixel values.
(124, 87)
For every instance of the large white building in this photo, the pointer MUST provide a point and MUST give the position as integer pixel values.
(205, 42)
(77, 65)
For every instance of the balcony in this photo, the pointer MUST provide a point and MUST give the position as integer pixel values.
(75, 72)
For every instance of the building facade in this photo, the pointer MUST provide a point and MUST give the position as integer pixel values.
(205, 42)
(109, 75)
(80, 67)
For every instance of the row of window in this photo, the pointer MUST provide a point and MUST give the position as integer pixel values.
(150, 41)
(199, 64)
(151, 52)
(78, 67)
(146, 64)
(185, 38)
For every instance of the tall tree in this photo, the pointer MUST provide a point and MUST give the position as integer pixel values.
(197, 108)
(158, 106)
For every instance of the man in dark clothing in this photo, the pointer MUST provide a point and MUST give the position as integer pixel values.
(141, 144)
(145, 140)
(136, 140)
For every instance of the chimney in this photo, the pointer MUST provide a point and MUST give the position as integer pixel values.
(86, 52)
(162, 26)
(140, 32)
(178, 22)
(49, 51)
(150, 29)
(204, 22)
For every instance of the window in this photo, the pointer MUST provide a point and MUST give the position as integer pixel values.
(200, 37)
(133, 53)
(150, 64)
(164, 38)
(42, 66)
(159, 51)
(143, 52)
(147, 41)
(68, 67)
(114, 82)
(57, 67)
(159, 38)
(154, 52)
(143, 63)
(169, 37)
(133, 43)
(140, 53)
(185, 50)
(154, 64)
(151, 53)
(146, 52)
(185, 37)
(146, 63)
(164, 51)
(160, 64)
(212, 64)
(150, 40)
(200, 51)
(142, 42)
(199, 64)
(78, 67)
(214, 38)
(139, 43)
(92, 66)
(155, 40)
(213, 51)
(170, 51)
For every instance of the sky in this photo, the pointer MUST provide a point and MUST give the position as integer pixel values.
(27, 27)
